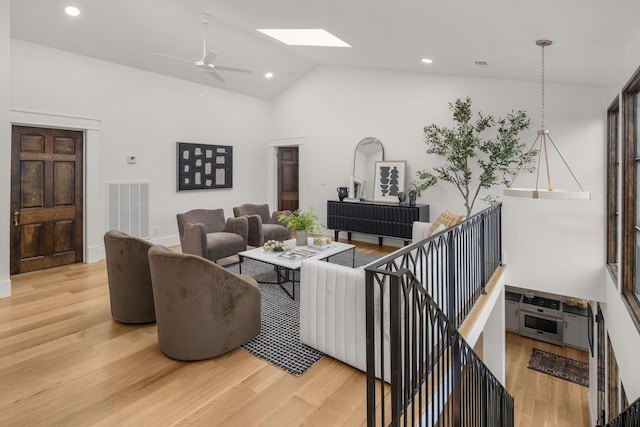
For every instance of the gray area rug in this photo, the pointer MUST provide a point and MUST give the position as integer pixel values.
(560, 367)
(279, 339)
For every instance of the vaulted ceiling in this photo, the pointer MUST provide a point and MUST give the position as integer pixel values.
(590, 36)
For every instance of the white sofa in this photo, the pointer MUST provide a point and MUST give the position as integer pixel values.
(333, 313)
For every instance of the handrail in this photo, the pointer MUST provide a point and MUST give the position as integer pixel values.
(629, 418)
(416, 299)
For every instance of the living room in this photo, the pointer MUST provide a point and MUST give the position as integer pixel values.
(549, 246)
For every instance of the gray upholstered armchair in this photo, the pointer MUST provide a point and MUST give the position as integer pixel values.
(206, 233)
(263, 225)
(202, 309)
(129, 278)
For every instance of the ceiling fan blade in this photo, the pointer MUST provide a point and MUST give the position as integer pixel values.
(182, 70)
(227, 68)
(217, 76)
(209, 57)
(174, 57)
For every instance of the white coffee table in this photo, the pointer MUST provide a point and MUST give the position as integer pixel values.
(287, 262)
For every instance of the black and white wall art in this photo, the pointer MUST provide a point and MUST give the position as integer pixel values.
(389, 180)
(204, 166)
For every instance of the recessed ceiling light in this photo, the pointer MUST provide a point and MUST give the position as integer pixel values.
(73, 11)
(268, 75)
(305, 37)
(427, 60)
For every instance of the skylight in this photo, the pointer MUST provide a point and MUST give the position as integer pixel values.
(305, 37)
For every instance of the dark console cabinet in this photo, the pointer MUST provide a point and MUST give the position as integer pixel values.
(380, 219)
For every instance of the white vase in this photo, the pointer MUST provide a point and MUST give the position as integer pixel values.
(301, 238)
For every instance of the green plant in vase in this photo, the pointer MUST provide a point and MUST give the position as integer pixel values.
(303, 222)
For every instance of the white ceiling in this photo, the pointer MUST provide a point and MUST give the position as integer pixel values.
(590, 36)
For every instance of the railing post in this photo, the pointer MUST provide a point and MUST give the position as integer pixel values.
(483, 401)
(371, 357)
(482, 254)
(451, 272)
(499, 219)
(395, 352)
(456, 395)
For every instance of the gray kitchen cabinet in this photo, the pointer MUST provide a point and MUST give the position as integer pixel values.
(576, 333)
(511, 316)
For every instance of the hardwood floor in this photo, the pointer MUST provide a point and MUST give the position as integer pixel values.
(64, 361)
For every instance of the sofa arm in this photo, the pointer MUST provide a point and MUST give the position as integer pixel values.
(194, 240)
(332, 311)
(238, 226)
(255, 235)
(420, 231)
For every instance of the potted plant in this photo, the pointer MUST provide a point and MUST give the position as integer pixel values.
(303, 223)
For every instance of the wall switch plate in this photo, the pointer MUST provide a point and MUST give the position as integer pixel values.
(131, 160)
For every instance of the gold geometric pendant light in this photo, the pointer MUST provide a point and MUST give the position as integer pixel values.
(541, 147)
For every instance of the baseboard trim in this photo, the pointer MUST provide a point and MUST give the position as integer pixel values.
(166, 241)
(5, 288)
(96, 253)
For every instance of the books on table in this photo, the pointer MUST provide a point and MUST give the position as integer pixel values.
(297, 254)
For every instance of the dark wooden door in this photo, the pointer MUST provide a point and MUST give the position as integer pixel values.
(288, 178)
(46, 198)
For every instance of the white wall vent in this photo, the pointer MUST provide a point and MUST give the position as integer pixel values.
(128, 208)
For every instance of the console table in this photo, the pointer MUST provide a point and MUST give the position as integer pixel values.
(383, 220)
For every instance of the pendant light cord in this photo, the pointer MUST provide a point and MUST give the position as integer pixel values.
(542, 85)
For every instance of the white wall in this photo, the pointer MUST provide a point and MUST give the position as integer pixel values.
(143, 114)
(5, 147)
(551, 246)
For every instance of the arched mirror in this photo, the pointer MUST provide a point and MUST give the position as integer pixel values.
(367, 153)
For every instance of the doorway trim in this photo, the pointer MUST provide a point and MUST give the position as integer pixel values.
(272, 167)
(94, 210)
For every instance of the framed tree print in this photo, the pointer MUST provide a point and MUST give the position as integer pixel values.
(389, 180)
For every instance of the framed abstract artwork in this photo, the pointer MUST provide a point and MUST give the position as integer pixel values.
(389, 180)
(204, 166)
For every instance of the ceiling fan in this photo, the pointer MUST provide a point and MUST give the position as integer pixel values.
(205, 65)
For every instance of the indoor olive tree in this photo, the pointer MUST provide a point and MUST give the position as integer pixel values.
(466, 152)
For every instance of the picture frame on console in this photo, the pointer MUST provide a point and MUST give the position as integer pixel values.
(389, 180)
(357, 187)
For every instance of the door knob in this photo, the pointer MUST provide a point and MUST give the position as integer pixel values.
(16, 218)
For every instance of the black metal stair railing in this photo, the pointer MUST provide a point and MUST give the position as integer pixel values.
(629, 418)
(416, 299)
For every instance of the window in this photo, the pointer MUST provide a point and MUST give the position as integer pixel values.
(631, 198)
(613, 168)
(613, 407)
